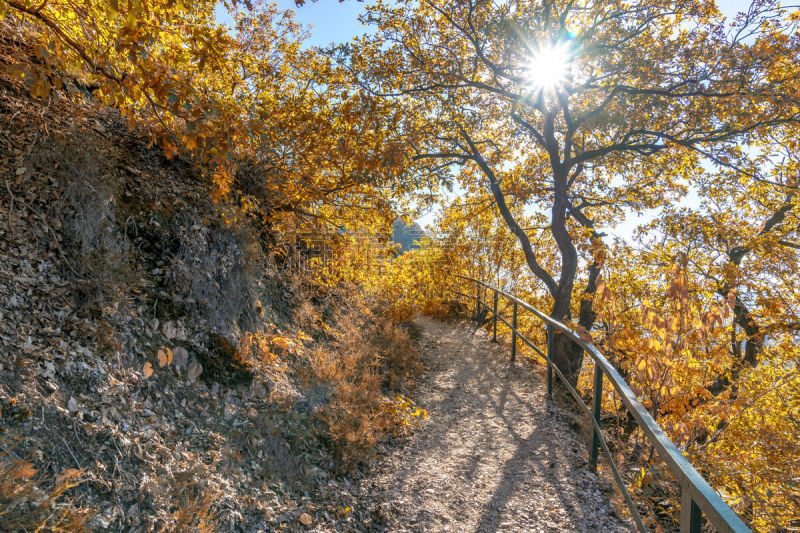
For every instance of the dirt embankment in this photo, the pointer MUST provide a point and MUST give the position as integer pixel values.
(152, 371)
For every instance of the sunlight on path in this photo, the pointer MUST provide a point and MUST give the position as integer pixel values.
(490, 458)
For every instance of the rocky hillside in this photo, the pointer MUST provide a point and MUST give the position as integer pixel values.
(161, 368)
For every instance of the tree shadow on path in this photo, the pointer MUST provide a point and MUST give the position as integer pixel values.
(491, 455)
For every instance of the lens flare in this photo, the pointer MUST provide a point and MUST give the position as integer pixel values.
(549, 67)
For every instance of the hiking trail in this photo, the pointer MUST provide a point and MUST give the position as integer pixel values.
(493, 455)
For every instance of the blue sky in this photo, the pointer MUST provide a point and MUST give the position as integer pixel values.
(329, 20)
(333, 21)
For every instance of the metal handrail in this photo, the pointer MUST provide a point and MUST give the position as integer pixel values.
(698, 498)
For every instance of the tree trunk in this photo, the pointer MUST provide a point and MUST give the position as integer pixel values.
(753, 344)
(567, 354)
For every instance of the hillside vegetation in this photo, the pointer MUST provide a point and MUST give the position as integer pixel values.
(162, 367)
(204, 321)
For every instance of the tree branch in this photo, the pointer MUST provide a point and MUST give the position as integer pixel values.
(509, 219)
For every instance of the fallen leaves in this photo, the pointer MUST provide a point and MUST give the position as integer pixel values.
(194, 370)
(69, 478)
(305, 519)
(24, 470)
(164, 357)
(181, 356)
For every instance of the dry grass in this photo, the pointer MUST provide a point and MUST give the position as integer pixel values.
(31, 502)
(193, 502)
(364, 372)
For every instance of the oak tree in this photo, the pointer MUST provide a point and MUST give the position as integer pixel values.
(581, 110)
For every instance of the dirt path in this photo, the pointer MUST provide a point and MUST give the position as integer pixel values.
(491, 457)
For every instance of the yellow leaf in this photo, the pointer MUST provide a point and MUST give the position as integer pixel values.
(280, 342)
(190, 142)
(147, 369)
(655, 344)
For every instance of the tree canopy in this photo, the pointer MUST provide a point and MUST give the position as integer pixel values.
(651, 92)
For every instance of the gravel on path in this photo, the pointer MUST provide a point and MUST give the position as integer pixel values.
(493, 455)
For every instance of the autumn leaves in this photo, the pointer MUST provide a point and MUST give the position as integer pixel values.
(670, 99)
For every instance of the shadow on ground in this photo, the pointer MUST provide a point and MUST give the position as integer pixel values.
(493, 455)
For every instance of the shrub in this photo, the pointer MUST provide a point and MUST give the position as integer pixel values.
(365, 370)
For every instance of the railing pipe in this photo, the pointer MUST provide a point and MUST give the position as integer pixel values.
(698, 496)
(597, 401)
(548, 333)
(494, 317)
(478, 304)
(691, 516)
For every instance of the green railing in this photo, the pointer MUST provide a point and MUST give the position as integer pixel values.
(698, 499)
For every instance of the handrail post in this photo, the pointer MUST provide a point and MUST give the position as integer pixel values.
(478, 304)
(494, 320)
(548, 335)
(514, 334)
(691, 516)
(596, 407)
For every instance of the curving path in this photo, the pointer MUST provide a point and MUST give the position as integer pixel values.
(492, 456)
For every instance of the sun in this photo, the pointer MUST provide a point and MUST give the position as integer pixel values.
(549, 67)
